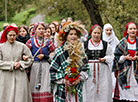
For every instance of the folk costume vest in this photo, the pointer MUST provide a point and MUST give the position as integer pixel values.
(95, 54)
(43, 48)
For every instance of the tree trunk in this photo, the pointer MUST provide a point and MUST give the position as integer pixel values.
(93, 11)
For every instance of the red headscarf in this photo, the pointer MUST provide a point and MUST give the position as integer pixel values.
(4, 34)
(125, 32)
(90, 31)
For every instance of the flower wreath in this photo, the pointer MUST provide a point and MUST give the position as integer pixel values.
(66, 28)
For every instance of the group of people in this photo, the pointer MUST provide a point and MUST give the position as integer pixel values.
(64, 63)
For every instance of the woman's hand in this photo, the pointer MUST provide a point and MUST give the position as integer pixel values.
(17, 65)
(134, 58)
(128, 57)
(102, 60)
(52, 54)
(40, 56)
(76, 82)
(25, 58)
(66, 82)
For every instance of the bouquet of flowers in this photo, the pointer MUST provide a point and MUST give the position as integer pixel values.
(72, 74)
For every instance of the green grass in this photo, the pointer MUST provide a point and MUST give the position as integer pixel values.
(24, 16)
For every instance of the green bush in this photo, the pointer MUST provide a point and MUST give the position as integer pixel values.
(24, 16)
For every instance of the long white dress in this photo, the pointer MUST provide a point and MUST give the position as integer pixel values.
(101, 89)
(113, 41)
(14, 85)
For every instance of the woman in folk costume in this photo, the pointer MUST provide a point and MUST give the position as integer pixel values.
(14, 84)
(69, 66)
(108, 35)
(39, 78)
(100, 56)
(126, 61)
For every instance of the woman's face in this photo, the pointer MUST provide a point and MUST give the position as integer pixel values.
(40, 31)
(47, 33)
(72, 36)
(22, 32)
(57, 24)
(11, 36)
(31, 32)
(108, 31)
(96, 35)
(132, 30)
(52, 26)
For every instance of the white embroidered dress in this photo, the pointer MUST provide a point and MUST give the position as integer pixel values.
(101, 90)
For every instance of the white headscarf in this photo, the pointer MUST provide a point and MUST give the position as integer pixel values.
(112, 39)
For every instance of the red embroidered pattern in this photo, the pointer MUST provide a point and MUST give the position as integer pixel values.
(42, 97)
(38, 43)
(130, 41)
(95, 45)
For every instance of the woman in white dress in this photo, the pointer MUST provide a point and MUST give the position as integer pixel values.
(98, 87)
(109, 36)
(14, 85)
(126, 59)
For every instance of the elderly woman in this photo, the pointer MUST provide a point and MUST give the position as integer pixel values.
(126, 59)
(14, 85)
(100, 56)
(40, 78)
(69, 66)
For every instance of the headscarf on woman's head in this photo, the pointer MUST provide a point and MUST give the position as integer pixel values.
(107, 26)
(125, 32)
(111, 39)
(105, 37)
(90, 31)
(5, 32)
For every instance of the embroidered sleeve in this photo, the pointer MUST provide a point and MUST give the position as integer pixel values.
(28, 44)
